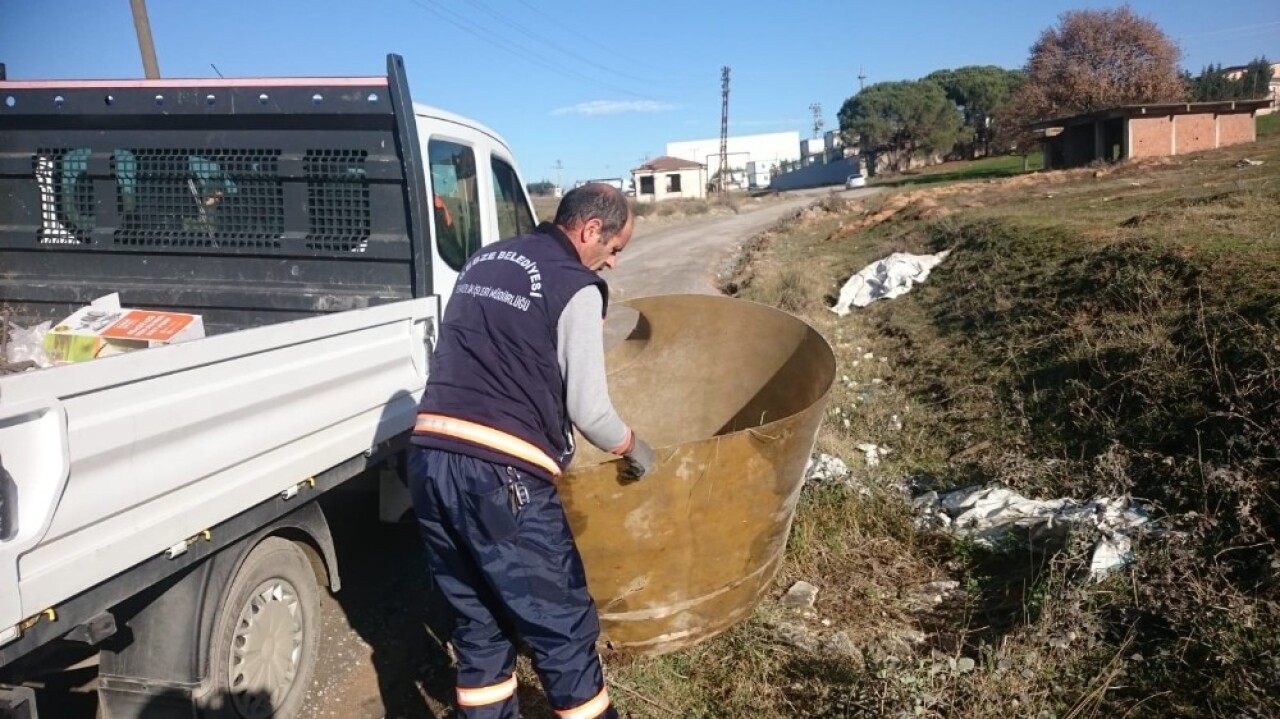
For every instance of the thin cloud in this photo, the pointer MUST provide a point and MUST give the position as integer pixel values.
(614, 107)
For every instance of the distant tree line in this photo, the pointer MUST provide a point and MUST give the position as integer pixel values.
(541, 188)
(1213, 84)
(1091, 60)
(948, 112)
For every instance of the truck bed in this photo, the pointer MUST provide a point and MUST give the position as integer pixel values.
(247, 201)
(109, 463)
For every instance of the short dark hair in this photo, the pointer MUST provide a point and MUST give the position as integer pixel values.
(594, 201)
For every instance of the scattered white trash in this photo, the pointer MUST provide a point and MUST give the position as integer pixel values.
(885, 279)
(988, 515)
(873, 453)
(800, 597)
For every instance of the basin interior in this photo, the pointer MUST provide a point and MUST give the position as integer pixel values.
(686, 368)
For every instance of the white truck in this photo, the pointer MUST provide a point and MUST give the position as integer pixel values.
(158, 508)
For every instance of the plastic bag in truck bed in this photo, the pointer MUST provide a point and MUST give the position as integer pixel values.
(24, 347)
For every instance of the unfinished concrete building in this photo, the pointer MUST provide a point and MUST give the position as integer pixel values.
(1155, 130)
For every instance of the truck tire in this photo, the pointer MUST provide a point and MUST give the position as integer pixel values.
(266, 636)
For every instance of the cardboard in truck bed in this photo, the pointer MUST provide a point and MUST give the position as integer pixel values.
(105, 328)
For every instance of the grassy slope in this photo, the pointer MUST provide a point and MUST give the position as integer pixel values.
(1269, 125)
(1090, 334)
(987, 168)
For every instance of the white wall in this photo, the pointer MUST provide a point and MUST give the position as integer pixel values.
(832, 173)
(765, 150)
(693, 184)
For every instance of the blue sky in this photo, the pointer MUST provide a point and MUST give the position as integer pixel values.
(595, 85)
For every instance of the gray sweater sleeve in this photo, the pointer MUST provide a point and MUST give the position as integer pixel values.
(580, 338)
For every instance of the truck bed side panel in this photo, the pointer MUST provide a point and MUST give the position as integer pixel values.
(170, 441)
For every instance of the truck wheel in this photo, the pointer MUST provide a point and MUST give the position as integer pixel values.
(266, 638)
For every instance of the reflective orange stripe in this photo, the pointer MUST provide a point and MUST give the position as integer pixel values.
(492, 694)
(593, 708)
(487, 437)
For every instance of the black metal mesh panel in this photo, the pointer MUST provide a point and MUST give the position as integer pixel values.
(199, 198)
(337, 200)
(66, 195)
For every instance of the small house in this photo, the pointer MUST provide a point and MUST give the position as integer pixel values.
(667, 177)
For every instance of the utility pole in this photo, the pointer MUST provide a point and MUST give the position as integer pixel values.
(143, 27)
(724, 126)
(816, 109)
(862, 78)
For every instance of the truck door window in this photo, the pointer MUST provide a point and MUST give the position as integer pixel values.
(514, 217)
(455, 201)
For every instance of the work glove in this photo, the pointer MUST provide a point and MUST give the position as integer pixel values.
(640, 459)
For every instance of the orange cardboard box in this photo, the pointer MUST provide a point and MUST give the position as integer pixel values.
(104, 328)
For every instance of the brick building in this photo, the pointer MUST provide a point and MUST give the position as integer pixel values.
(1137, 131)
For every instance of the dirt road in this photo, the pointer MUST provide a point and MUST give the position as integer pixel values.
(685, 259)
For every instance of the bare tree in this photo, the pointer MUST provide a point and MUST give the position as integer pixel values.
(1095, 59)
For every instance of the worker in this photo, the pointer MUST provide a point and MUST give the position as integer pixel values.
(519, 363)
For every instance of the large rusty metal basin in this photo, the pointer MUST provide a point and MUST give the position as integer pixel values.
(730, 393)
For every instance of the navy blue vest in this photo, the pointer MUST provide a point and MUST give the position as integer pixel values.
(494, 389)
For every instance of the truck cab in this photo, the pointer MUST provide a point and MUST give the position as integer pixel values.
(475, 188)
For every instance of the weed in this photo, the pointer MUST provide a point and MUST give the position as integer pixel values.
(1088, 335)
(644, 209)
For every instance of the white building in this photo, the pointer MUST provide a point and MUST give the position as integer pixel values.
(764, 150)
(664, 178)
(1273, 90)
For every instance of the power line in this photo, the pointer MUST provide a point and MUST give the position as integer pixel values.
(1247, 29)
(1140, 52)
(541, 12)
(521, 52)
(531, 34)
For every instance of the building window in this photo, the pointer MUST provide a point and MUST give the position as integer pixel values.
(455, 201)
(514, 217)
(646, 185)
(673, 183)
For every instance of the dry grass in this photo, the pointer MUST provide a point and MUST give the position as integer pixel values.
(1091, 334)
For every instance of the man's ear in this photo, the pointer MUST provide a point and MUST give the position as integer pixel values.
(592, 230)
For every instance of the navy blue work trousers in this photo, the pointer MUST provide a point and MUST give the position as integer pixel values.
(502, 553)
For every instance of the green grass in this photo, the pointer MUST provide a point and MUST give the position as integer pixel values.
(1268, 125)
(988, 168)
(1090, 334)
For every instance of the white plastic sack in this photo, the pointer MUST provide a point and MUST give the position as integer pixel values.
(885, 279)
(28, 344)
(987, 515)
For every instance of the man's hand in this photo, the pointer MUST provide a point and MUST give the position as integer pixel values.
(640, 460)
